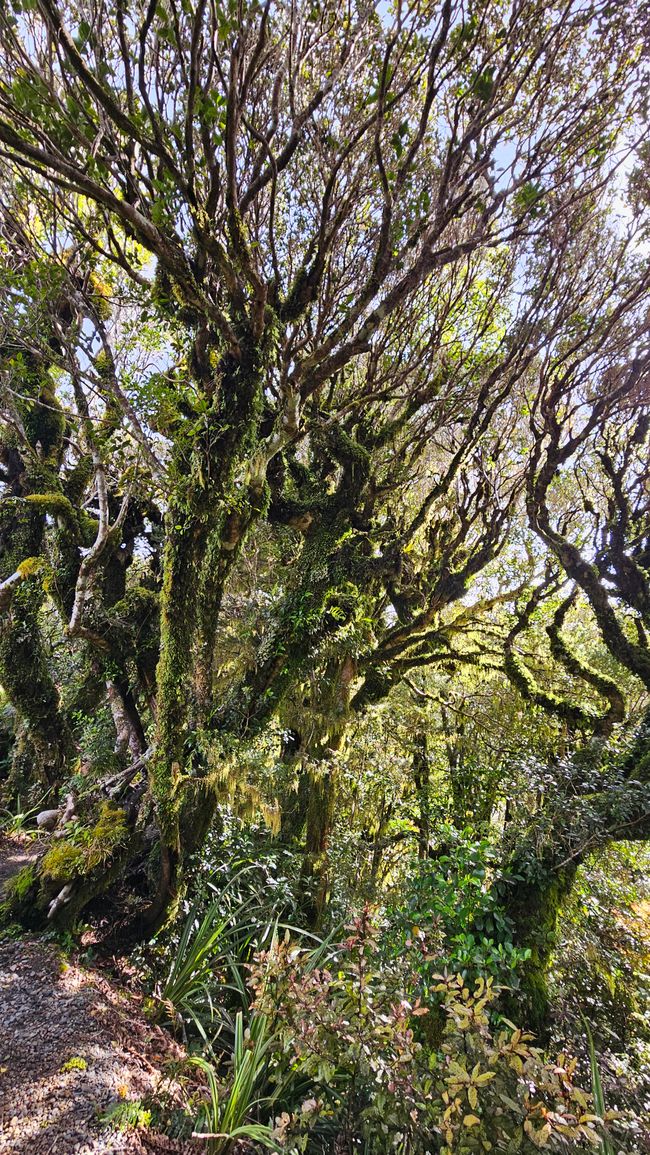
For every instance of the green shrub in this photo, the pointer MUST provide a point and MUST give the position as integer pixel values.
(451, 912)
(346, 1027)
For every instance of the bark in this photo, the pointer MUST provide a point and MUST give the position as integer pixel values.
(421, 777)
(321, 807)
(534, 905)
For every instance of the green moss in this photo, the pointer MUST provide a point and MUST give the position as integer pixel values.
(79, 478)
(19, 886)
(64, 862)
(101, 295)
(54, 503)
(45, 421)
(67, 860)
(26, 677)
(111, 831)
(574, 715)
(534, 904)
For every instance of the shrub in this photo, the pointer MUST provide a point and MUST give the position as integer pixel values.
(347, 1026)
(451, 911)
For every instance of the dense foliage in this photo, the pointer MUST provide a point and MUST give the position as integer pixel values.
(325, 547)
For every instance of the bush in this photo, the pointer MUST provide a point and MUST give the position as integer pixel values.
(345, 1029)
(455, 918)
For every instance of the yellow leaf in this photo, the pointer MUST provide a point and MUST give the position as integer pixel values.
(472, 1095)
(540, 1138)
(591, 1135)
(471, 1121)
(458, 1072)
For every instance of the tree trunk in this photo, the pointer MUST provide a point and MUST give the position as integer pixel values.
(534, 905)
(314, 875)
(44, 745)
(421, 778)
(335, 694)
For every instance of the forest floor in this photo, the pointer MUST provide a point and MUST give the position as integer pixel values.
(73, 1044)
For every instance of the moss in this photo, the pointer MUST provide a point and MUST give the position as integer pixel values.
(100, 295)
(26, 677)
(22, 901)
(78, 478)
(63, 862)
(20, 885)
(91, 864)
(574, 716)
(54, 503)
(68, 860)
(29, 567)
(45, 421)
(111, 831)
(534, 905)
(133, 627)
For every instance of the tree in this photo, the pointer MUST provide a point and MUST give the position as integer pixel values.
(367, 244)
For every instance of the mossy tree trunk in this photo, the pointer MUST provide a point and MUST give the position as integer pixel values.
(537, 884)
(220, 492)
(534, 905)
(30, 463)
(334, 694)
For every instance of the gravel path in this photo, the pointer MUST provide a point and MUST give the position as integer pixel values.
(53, 1011)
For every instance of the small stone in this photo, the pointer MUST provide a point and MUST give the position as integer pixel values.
(47, 819)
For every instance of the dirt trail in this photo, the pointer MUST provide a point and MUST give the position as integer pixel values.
(71, 1044)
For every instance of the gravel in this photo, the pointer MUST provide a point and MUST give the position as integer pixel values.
(53, 1011)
